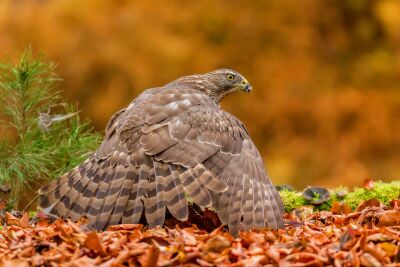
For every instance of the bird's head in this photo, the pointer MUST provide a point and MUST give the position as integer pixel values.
(218, 83)
(228, 81)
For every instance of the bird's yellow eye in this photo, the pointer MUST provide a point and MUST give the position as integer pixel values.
(230, 77)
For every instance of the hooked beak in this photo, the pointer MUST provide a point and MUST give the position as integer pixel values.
(245, 86)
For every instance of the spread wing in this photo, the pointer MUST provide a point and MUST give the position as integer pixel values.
(208, 136)
(168, 144)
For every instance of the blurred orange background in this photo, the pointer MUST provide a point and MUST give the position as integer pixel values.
(325, 109)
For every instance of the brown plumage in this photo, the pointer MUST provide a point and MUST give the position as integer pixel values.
(171, 143)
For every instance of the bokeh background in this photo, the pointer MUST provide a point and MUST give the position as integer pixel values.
(325, 109)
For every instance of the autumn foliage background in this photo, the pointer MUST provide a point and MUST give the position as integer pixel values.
(325, 108)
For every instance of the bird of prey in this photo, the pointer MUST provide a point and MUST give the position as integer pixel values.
(170, 145)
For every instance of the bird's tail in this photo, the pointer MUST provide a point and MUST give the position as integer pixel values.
(108, 192)
(57, 197)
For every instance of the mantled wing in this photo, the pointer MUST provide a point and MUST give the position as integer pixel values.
(208, 136)
(170, 142)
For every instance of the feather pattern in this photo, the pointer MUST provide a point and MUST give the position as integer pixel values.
(170, 145)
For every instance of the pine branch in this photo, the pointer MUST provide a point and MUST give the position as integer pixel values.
(31, 151)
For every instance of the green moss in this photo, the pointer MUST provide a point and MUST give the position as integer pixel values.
(384, 192)
(32, 213)
(292, 200)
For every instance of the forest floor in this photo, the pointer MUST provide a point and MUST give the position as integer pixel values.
(368, 236)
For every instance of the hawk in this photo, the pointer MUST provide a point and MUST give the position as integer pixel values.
(171, 145)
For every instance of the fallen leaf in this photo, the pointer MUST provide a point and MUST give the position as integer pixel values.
(254, 261)
(251, 237)
(273, 254)
(121, 258)
(340, 208)
(127, 227)
(12, 220)
(204, 263)
(42, 224)
(368, 260)
(24, 221)
(217, 244)
(373, 202)
(320, 238)
(93, 242)
(369, 184)
(395, 204)
(212, 216)
(390, 218)
(379, 237)
(348, 239)
(377, 252)
(2, 204)
(14, 263)
(304, 211)
(389, 248)
(150, 257)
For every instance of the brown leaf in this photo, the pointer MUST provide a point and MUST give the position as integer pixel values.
(2, 204)
(14, 263)
(320, 239)
(217, 244)
(373, 202)
(348, 239)
(127, 227)
(12, 220)
(121, 258)
(389, 248)
(250, 237)
(273, 254)
(212, 216)
(308, 259)
(116, 243)
(38, 260)
(189, 237)
(379, 237)
(150, 257)
(254, 261)
(204, 263)
(158, 241)
(390, 218)
(42, 224)
(355, 259)
(377, 252)
(24, 221)
(395, 204)
(369, 184)
(93, 242)
(368, 260)
(340, 208)
(82, 220)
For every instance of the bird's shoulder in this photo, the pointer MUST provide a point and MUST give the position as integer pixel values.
(176, 106)
(159, 104)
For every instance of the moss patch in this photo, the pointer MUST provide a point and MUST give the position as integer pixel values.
(292, 200)
(384, 192)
